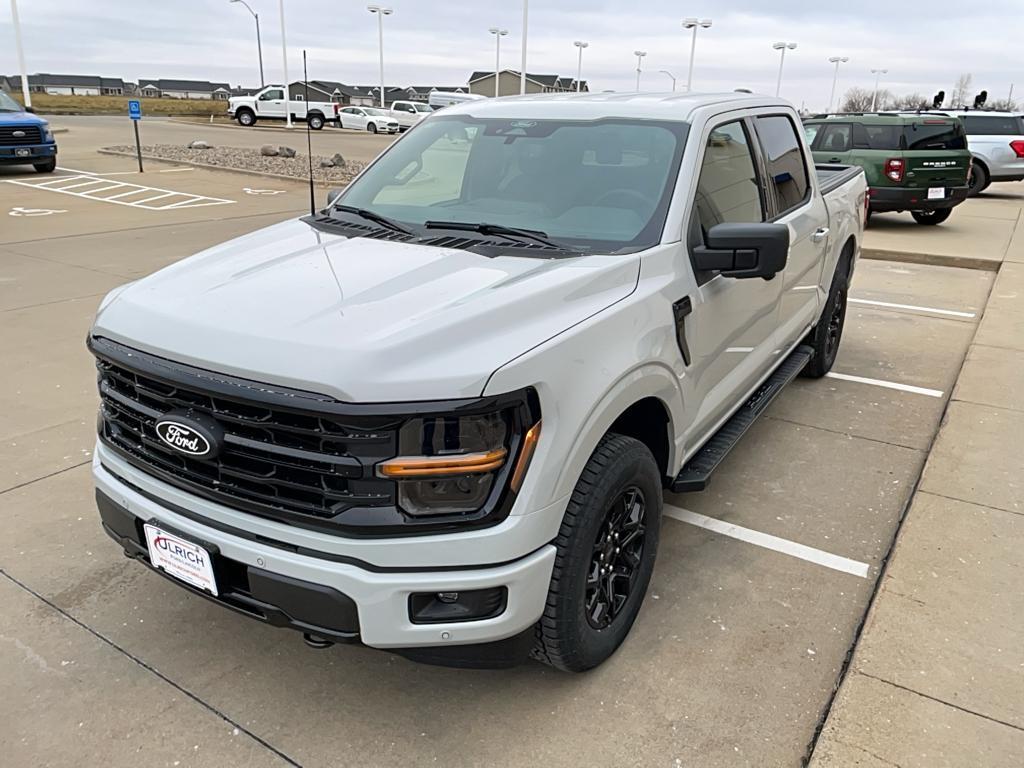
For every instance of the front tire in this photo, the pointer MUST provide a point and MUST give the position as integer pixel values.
(931, 218)
(828, 333)
(246, 118)
(606, 549)
(47, 166)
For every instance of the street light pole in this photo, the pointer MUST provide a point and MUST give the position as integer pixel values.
(782, 60)
(666, 72)
(21, 55)
(498, 34)
(639, 58)
(693, 23)
(579, 65)
(381, 13)
(526, 24)
(837, 60)
(259, 44)
(878, 76)
(284, 58)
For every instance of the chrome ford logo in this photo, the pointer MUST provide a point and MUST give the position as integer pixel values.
(192, 434)
(19, 134)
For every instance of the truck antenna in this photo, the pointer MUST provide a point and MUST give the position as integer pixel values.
(309, 140)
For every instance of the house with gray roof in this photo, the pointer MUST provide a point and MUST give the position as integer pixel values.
(482, 83)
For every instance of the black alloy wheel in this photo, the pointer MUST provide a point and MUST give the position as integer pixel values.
(616, 559)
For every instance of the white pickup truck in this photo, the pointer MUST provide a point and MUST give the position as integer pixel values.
(269, 104)
(408, 113)
(438, 416)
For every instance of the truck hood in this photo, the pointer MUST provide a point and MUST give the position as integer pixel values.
(21, 118)
(357, 319)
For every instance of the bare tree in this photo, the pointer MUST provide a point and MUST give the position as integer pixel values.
(911, 101)
(960, 91)
(856, 100)
(1002, 105)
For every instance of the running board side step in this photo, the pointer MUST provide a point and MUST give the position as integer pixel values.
(695, 475)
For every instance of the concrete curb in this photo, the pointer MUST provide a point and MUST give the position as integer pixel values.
(58, 130)
(210, 167)
(932, 259)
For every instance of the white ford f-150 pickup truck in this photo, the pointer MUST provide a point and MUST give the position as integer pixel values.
(269, 103)
(438, 416)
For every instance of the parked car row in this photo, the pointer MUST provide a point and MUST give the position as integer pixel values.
(926, 163)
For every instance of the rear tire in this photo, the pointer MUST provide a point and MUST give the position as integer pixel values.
(372, 127)
(316, 122)
(246, 118)
(48, 166)
(978, 181)
(931, 218)
(828, 333)
(606, 549)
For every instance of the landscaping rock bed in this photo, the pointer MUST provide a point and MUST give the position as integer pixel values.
(325, 168)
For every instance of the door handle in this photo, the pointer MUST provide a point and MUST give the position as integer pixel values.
(819, 235)
(833, 160)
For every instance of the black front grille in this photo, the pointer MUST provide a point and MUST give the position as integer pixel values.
(286, 462)
(30, 134)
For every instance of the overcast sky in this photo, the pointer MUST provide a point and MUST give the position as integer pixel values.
(924, 45)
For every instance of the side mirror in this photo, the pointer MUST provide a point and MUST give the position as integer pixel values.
(744, 250)
(30, 110)
(332, 196)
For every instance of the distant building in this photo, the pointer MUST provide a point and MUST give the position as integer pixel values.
(483, 83)
(68, 85)
(331, 90)
(183, 89)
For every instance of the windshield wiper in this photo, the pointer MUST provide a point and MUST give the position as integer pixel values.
(369, 215)
(495, 229)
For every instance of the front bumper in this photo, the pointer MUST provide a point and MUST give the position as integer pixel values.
(337, 600)
(35, 153)
(914, 199)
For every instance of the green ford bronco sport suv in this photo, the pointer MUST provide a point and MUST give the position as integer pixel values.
(913, 162)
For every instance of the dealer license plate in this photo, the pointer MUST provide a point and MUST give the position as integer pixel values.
(181, 558)
(936, 193)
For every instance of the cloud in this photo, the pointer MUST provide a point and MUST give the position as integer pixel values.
(442, 41)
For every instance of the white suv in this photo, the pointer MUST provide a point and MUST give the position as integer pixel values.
(996, 140)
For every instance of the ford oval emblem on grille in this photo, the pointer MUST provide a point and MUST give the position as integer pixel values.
(19, 134)
(194, 435)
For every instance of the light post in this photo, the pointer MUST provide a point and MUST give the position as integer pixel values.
(284, 59)
(878, 76)
(522, 69)
(782, 60)
(498, 34)
(381, 13)
(692, 23)
(639, 59)
(579, 64)
(259, 44)
(837, 60)
(21, 55)
(666, 72)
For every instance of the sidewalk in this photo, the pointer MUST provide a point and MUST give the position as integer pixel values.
(937, 676)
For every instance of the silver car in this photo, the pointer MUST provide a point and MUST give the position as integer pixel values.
(996, 139)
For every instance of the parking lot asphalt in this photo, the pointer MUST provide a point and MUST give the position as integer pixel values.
(762, 583)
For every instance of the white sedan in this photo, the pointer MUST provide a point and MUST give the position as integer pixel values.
(369, 119)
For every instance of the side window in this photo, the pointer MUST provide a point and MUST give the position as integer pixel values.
(272, 95)
(787, 168)
(728, 188)
(835, 138)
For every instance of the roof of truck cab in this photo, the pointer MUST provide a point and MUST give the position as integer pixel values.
(594, 106)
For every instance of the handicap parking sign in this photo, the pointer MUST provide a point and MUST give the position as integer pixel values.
(135, 109)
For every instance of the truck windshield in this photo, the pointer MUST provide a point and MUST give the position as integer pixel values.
(7, 104)
(601, 185)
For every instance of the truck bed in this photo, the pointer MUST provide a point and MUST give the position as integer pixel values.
(831, 177)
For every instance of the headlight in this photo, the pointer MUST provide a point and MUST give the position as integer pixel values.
(455, 464)
(47, 132)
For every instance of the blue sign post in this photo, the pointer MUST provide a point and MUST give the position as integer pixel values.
(135, 113)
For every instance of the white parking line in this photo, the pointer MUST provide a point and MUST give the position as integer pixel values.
(914, 308)
(73, 185)
(774, 543)
(887, 384)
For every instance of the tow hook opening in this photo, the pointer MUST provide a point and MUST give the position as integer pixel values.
(316, 642)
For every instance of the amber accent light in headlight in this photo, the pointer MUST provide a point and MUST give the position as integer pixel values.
(525, 455)
(441, 466)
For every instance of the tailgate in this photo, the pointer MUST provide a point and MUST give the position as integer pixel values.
(935, 151)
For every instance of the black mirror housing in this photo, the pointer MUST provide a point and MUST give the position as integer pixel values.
(332, 196)
(30, 110)
(744, 250)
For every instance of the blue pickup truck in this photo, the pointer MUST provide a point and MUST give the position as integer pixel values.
(24, 138)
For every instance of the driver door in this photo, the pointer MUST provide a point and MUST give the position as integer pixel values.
(271, 103)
